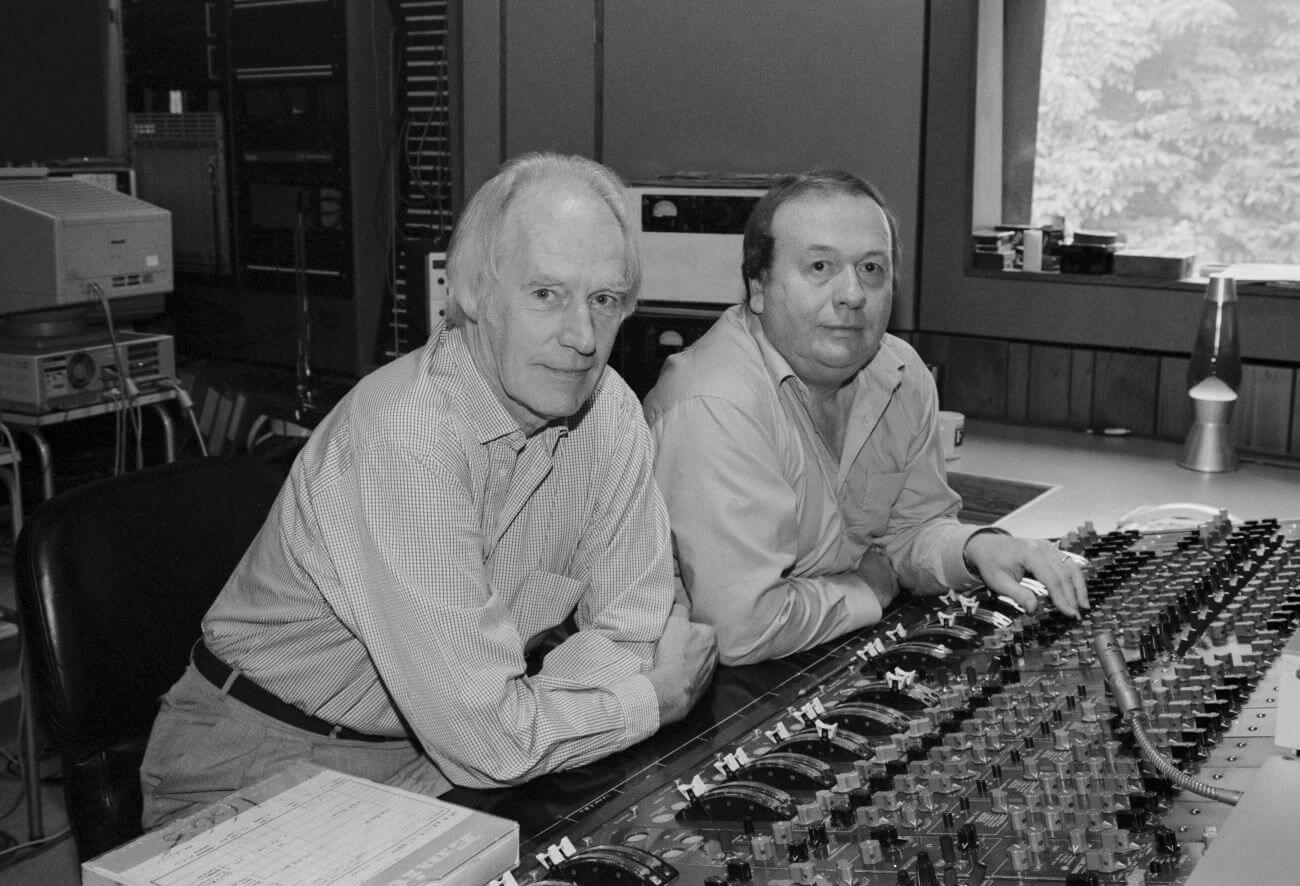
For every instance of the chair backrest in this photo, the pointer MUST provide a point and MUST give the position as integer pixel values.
(112, 581)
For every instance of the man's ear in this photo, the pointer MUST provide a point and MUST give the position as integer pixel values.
(756, 294)
(469, 308)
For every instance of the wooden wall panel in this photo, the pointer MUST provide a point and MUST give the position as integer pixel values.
(975, 377)
(1124, 391)
(1084, 388)
(1261, 421)
(973, 373)
(934, 350)
(1082, 373)
(1173, 409)
(482, 115)
(769, 86)
(1017, 381)
(1048, 401)
(550, 96)
(547, 100)
(1294, 448)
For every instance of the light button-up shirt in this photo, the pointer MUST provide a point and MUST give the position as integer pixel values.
(768, 525)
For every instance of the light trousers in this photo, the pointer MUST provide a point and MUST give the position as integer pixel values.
(205, 745)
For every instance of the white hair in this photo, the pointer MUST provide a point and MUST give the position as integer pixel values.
(472, 258)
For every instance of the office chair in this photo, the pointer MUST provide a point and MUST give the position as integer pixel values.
(112, 581)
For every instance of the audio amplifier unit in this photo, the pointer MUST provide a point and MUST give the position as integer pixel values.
(35, 378)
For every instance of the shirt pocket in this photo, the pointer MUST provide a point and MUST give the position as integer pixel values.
(868, 506)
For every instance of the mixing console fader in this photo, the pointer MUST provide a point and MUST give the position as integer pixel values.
(962, 741)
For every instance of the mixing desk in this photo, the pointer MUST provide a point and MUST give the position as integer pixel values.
(960, 741)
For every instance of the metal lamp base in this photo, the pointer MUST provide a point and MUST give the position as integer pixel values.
(1209, 448)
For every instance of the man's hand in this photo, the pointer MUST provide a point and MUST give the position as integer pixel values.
(875, 569)
(684, 664)
(1003, 560)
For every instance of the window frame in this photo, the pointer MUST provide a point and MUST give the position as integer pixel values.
(962, 189)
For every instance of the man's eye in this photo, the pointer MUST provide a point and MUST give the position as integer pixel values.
(607, 302)
(544, 294)
(819, 266)
(872, 269)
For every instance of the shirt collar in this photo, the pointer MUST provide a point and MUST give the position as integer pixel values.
(485, 414)
(881, 375)
(777, 366)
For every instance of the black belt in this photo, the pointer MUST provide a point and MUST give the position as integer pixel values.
(245, 690)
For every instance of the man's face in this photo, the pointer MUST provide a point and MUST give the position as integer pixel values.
(825, 301)
(542, 338)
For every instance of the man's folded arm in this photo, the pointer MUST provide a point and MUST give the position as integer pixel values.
(447, 648)
(626, 548)
(735, 528)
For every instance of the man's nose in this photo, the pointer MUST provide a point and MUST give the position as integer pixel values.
(851, 293)
(579, 332)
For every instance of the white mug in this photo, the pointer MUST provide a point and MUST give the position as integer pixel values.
(951, 427)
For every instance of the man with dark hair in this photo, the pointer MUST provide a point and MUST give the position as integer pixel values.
(458, 505)
(797, 444)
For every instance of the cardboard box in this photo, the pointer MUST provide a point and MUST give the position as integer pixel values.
(309, 824)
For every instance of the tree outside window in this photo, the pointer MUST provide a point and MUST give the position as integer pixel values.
(1175, 123)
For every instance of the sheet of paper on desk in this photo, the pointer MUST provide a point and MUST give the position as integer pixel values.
(1285, 276)
(329, 828)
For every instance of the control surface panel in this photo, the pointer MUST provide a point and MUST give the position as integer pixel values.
(960, 741)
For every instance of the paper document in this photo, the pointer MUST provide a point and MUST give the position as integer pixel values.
(330, 829)
(1263, 272)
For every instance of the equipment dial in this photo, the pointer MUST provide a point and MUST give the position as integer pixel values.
(738, 800)
(603, 865)
(914, 697)
(867, 719)
(789, 770)
(844, 746)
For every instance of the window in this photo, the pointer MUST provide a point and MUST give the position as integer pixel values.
(964, 188)
(1173, 122)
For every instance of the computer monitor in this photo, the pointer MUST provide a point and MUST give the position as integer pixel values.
(66, 246)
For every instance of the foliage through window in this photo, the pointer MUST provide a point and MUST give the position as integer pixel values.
(1175, 123)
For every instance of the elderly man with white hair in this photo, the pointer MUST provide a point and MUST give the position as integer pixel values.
(456, 507)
